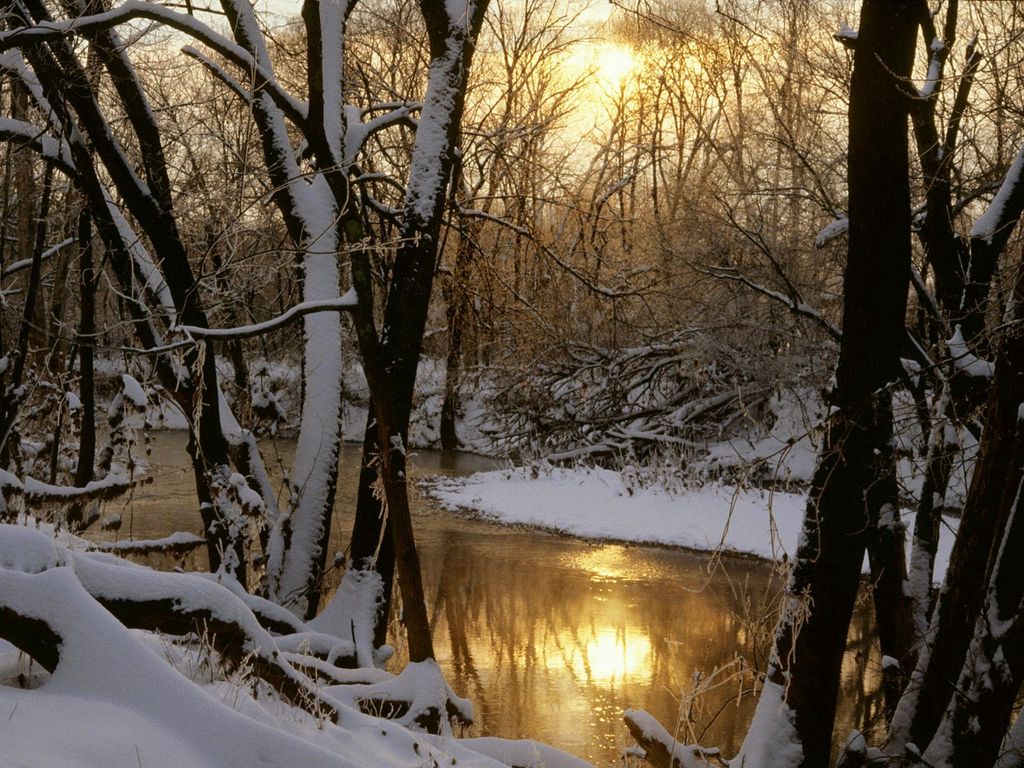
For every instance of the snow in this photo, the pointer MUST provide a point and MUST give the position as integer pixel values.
(683, 755)
(48, 146)
(965, 360)
(789, 450)
(846, 32)
(352, 612)
(772, 739)
(524, 752)
(133, 391)
(172, 541)
(344, 304)
(986, 225)
(40, 492)
(603, 504)
(934, 75)
(422, 684)
(426, 174)
(831, 231)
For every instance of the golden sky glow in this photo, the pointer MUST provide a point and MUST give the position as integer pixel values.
(606, 64)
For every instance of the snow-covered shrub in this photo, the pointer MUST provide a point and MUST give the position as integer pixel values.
(127, 419)
(268, 398)
(674, 400)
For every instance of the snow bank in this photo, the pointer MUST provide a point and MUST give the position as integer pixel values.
(600, 504)
(116, 698)
(603, 504)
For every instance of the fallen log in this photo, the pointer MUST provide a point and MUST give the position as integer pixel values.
(661, 749)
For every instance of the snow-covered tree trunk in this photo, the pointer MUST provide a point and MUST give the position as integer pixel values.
(298, 544)
(855, 478)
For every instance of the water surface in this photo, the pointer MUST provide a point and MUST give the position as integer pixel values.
(552, 637)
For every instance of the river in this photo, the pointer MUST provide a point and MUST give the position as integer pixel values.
(552, 637)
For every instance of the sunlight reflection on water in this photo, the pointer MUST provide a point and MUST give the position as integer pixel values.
(552, 638)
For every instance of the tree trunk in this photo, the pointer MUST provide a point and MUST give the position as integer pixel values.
(372, 544)
(997, 475)
(855, 478)
(86, 354)
(391, 360)
(981, 701)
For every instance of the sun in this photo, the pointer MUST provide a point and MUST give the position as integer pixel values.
(613, 63)
(604, 64)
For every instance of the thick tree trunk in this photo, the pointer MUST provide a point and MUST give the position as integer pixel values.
(855, 478)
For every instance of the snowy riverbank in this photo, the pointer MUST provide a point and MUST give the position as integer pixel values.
(605, 504)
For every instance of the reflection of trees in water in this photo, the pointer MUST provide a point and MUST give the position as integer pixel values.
(544, 646)
(519, 611)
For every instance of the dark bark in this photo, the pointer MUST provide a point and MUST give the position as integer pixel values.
(946, 253)
(371, 544)
(998, 471)
(855, 476)
(32, 636)
(86, 354)
(390, 360)
(458, 314)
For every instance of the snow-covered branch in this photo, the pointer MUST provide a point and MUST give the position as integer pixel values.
(346, 303)
(133, 10)
(51, 149)
(800, 308)
(17, 266)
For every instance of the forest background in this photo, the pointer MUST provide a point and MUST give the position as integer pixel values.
(630, 243)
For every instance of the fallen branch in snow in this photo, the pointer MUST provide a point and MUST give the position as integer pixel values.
(599, 403)
(660, 749)
(176, 544)
(230, 639)
(32, 636)
(171, 603)
(418, 697)
(38, 493)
